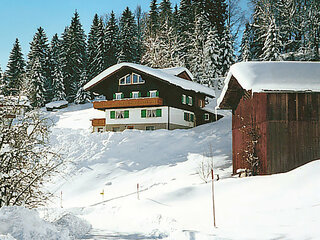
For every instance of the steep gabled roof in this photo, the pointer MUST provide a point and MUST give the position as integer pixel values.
(272, 76)
(167, 75)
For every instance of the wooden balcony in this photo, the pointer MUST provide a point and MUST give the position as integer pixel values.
(98, 122)
(128, 103)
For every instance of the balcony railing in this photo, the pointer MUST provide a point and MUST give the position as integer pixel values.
(98, 122)
(130, 102)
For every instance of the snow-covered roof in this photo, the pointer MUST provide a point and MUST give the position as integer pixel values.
(163, 74)
(175, 71)
(56, 104)
(274, 76)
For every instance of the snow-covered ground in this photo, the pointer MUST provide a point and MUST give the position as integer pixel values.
(174, 203)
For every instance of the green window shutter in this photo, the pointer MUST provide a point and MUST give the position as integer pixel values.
(112, 114)
(126, 114)
(148, 94)
(131, 95)
(143, 113)
(191, 117)
(139, 94)
(191, 102)
(122, 95)
(187, 98)
(157, 93)
(158, 112)
(186, 116)
(114, 96)
(182, 99)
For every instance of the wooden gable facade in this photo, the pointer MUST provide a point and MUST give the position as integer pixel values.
(288, 125)
(168, 94)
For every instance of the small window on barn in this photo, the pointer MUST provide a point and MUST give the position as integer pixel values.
(153, 93)
(190, 101)
(150, 128)
(119, 96)
(122, 81)
(140, 80)
(206, 117)
(135, 94)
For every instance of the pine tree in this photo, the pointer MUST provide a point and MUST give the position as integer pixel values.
(271, 48)
(153, 19)
(212, 74)
(82, 95)
(112, 41)
(93, 47)
(227, 57)
(165, 12)
(185, 27)
(74, 56)
(38, 66)
(128, 38)
(14, 74)
(56, 69)
(196, 53)
(36, 79)
(245, 54)
(2, 83)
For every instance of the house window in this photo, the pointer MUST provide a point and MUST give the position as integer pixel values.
(119, 114)
(128, 79)
(201, 103)
(100, 129)
(150, 128)
(116, 129)
(118, 96)
(206, 117)
(184, 99)
(190, 101)
(151, 113)
(122, 81)
(153, 93)
(131, 79)
(135, 94)
(189, 117)
(135, 78)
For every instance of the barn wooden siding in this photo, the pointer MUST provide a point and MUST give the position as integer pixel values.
(289, 125)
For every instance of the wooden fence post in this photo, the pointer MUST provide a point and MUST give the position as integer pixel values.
(213, 206)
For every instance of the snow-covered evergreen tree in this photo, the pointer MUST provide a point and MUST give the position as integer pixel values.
(93, 47)
(74, 56)
(2, 83)
(128, 42)
(14, 75)
(227, 57)
(271, 48)
(56, 70)
(185, 27)
(38, 69)
(36, 79)
(112, 41)
(153, 19)
(245, 54)
(212, 69)
(165, 12)
(82, 95)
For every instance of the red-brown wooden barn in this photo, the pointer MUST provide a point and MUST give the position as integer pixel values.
(277, 106)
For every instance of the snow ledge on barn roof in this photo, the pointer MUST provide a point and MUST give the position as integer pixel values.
(274, 76)
(164, 74)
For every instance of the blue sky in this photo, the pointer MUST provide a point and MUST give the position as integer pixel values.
(21, 18)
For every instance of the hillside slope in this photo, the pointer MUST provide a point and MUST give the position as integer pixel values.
(174, 203)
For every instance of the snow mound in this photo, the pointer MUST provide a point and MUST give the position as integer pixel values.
(77, 227)
(57, 104)
(22, 223)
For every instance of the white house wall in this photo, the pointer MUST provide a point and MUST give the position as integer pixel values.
(176, 117)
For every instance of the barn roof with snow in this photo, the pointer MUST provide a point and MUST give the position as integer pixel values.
(169, 75)
(269, 76)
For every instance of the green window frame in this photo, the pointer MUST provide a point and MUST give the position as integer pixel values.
(158, 112)
(143, 113)
(112, 114)
(186, 116)
(191, 117)
(126, 114)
